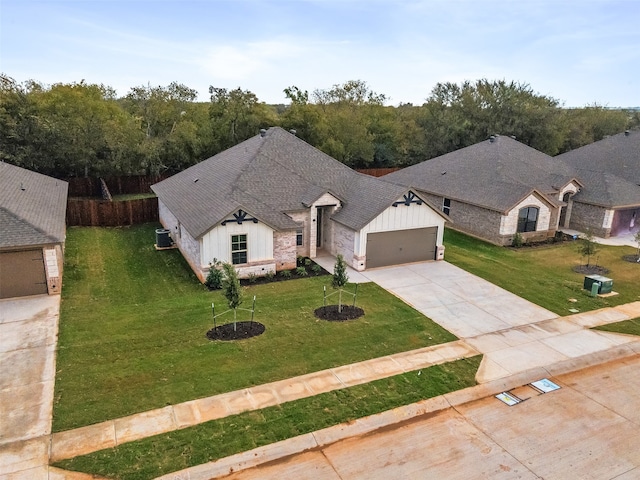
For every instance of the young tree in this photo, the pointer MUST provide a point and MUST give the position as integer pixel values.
(636, 237)
(340, 278)
(232, 290)
(588, 247)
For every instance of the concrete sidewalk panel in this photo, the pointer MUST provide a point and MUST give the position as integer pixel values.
(323, 381)
(576, 344)
(523, 357)
(245, 460)
(490, 370)
(410, 361)
(25, 411)
(30, 454)
(354, 374)
(598, 317)
(83, 440)
(211, 408)
(631, 310)
(145, 424)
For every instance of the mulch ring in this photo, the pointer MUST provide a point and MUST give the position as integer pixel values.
(590, 269)
(631, 258)
(242, 330)
(331, 313)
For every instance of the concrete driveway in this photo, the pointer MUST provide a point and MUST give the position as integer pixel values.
(28, 335)
(461, 302)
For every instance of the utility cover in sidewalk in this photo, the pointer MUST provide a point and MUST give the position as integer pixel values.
(508, 398)
(545, 385)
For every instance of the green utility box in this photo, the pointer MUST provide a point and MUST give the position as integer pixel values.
(606, 284)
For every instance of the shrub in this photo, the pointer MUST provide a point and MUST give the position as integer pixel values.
(316, 269)
(252, 277)
(307, 262)
(215, 276)
(301, 272)
(299, 261)
(285, 273)
(270, 275)
(517, 240)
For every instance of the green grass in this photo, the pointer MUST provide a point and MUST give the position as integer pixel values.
(209, 441)
(543, 275)
(630, 327)
(133, 324)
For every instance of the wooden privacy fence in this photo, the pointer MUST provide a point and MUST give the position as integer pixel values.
(90, 187)
(102, 213)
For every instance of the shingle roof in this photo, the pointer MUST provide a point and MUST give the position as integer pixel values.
(609, 169)
(495, 174)
(32, 207)
(268, 176)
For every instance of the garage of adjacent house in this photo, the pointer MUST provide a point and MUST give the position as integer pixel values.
(401, 246)
(22, 273)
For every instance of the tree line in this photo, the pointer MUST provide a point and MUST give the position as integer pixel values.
(82, 129)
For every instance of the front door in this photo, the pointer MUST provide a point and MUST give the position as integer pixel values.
(319, 227)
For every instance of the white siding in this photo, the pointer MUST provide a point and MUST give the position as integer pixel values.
(216, 243)
(402, 217)
(509, 222)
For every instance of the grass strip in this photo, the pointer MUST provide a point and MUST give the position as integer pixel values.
(217, 439)
(630, 327)
(543, 275)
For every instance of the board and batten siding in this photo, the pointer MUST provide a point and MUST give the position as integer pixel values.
(402, 217)
(216, 243)
(509, 222)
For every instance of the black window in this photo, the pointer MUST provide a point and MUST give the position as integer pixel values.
(527, 219)
(299, 237)
(238, 249)
(446, 205)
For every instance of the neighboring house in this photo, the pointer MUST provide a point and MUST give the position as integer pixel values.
(497, 188)
(264, 202)
(609, 205)
(32, 232)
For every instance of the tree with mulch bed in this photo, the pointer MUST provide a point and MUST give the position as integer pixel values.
(588, 248)
(339, 312)
(235, 296)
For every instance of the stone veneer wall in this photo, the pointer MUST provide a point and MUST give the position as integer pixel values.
(477, 221)
(589, 217)
(284, 249)
(343, 243)
(304, 218)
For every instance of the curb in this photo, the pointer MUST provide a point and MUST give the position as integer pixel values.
(362, 426)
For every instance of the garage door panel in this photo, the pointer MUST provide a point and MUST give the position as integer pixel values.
(401, 246)
(22, 274)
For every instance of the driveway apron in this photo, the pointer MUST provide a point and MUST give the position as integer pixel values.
(28, 333)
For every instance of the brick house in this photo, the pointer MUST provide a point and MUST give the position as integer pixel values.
(273, 197)
(497, 188)
(32, 232)
(609, 205)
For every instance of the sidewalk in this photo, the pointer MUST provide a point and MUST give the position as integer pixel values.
(507, 353)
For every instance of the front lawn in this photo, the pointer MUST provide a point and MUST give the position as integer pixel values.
(162, 454)
(133, 324)
(543, 275)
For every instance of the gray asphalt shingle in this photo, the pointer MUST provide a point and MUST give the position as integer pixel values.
(32, 207)
(268, 176)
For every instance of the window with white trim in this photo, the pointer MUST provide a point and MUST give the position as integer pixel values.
(238, 249)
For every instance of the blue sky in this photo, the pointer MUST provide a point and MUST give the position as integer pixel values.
(578, 51)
